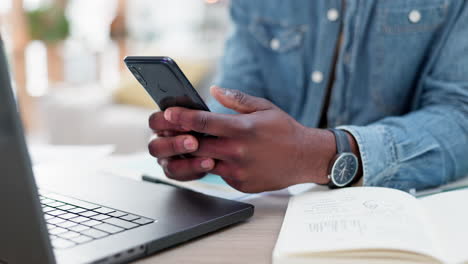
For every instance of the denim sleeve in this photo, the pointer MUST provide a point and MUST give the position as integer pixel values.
(239, 68)
(428, 146)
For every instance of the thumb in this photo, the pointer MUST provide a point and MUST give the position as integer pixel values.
(239, 101)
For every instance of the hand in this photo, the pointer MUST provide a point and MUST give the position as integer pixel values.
(261, 149)
(171, 142)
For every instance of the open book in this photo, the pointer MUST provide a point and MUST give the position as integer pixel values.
(374, 225)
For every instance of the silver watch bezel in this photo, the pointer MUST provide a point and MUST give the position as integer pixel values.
(335, 162)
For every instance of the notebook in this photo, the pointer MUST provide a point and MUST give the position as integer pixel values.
(374, 225)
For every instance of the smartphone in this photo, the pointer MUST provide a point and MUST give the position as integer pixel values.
(165, 82)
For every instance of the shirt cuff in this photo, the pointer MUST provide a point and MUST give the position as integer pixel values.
(378, 157)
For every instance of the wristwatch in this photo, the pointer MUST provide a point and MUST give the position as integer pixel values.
(344, 166)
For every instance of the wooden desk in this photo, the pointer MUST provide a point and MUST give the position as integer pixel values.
(249, 242)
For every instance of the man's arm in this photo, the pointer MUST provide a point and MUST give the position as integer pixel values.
(429, 146)
(260, 149)
(239, 67)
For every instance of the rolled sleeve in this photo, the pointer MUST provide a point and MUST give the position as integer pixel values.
(376, 149)
(420, 150)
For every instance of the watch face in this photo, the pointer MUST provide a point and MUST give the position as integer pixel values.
(344, 169)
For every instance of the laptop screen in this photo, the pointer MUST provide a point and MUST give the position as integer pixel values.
(10, 129)
(23, 226)
(7, 105)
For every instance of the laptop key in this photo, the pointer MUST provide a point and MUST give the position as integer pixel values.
(77, 210)
(66, 224)
(56, 204)
(47, 217)
(143, 221)
(94, 233)
(56, 212)
(58, 230)
(117, 214)
(55, 220)
(61, 243)
(66, 207)
(91, 223)
(79, 219)
(129, 217)
(78, 228)
(81, 239)
(88, 213)
(47, 201)
(109, 228)
(120, 223)
(69, 234)
(100, 217)
(104, 210)
(46, 209)
(68, 216)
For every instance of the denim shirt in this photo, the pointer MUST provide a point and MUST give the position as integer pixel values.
(400, 85)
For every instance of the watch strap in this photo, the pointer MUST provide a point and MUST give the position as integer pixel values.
(342, 142)
(342, 146)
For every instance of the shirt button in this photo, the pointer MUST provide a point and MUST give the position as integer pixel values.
(333, 14)
(414, 16)
(275, 44)
(317, 77)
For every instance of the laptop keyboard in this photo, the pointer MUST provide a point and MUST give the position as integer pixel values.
(72, 222)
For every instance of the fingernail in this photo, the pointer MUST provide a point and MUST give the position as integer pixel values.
(228, 92)
(222, 90)
(163, 162)
(206, 164)
(189, 144)
(167, 115)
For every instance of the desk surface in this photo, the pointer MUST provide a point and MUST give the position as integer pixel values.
(249, 242)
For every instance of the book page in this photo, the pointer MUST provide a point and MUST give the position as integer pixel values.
(448, 213)
(359, 218)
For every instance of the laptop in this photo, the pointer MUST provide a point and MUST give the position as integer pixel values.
(80, 216)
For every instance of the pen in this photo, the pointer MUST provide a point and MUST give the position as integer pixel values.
(155, 180)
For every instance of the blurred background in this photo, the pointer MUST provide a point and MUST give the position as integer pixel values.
(66, 62)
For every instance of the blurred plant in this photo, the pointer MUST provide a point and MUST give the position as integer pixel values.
(48, 24)
(118, 28)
